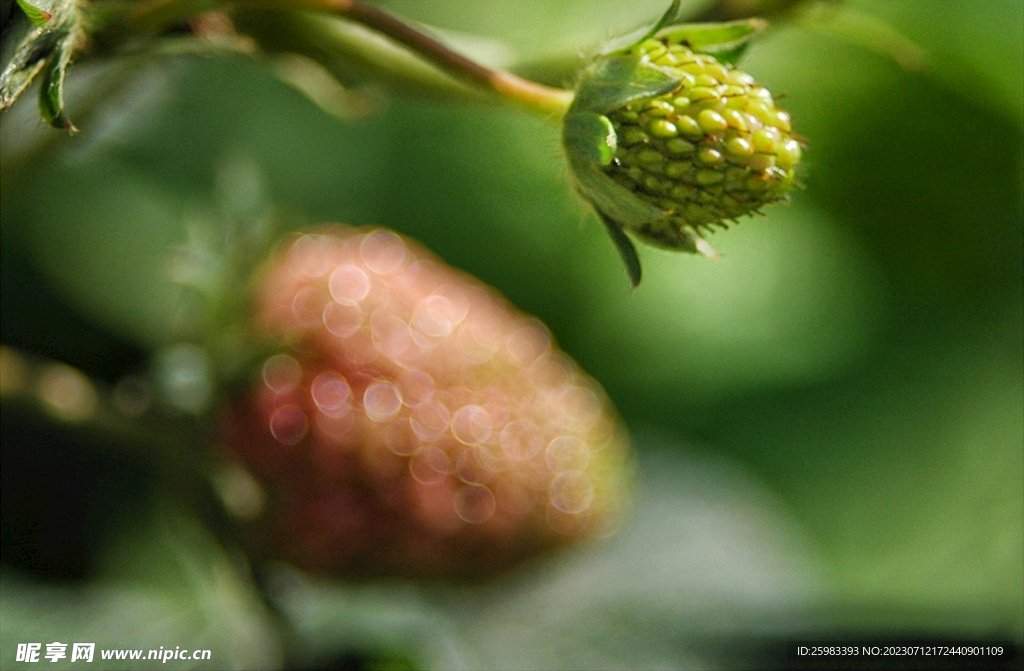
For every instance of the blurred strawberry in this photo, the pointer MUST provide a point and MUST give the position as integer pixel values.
(417, 424)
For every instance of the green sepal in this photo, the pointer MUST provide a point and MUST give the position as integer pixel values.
(590, 142)
(626, 249)
(25, 61)
(611, 199)
(725, 41)
(51, 94)
(39, 17)
(589, 137)
(15, 80)
(43, 44)
(612, 82)
(672, 16)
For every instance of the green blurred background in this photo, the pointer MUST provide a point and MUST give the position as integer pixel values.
(858, 352)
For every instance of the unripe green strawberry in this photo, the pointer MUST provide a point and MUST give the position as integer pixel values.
(713, 148)
(666, 141)
(416, 424)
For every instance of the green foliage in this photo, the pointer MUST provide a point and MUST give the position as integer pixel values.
(855, 356)
(167, 583)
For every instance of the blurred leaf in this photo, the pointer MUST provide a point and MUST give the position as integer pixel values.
(167, 585)
(537, 29)
(120, 199)
(974, 47)
(941, 220)
(709, 561)
(864, 30)
(353, 54)
(791, 302)
(376, 621)
(910, 477)
(107, 241)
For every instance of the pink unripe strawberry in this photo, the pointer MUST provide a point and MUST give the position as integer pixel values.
(415, 423)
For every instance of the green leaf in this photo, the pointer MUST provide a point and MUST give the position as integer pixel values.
(38, 17)
(612, 82)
